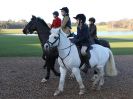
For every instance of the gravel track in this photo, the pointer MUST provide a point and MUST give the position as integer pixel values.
(20, 78)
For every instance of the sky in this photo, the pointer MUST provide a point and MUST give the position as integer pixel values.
(102, 10)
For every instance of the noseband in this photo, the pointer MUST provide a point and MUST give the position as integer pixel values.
(52, 43)
(62, 59)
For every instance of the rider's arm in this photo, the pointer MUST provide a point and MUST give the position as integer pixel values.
(84, 34)
(93, 31)
(81, 35)
(65, 20)
(52, 24)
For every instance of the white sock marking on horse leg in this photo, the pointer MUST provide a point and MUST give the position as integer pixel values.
(61, 83)
(43, 80)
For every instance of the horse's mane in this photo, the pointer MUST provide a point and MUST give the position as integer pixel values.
(43, 22)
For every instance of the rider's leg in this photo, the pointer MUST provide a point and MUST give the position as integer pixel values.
(81, 57)
(86, 58)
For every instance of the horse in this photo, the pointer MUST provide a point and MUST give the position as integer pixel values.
(69, 60)
(39, 25)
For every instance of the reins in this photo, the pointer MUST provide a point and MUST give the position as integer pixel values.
(62, 59)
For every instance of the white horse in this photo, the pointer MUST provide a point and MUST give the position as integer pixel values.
(69, 60)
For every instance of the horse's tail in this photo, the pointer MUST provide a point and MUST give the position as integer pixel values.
(110, 66)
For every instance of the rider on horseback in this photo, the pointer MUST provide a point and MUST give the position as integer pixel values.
(81, 39)
(93, 30)
(57, 21)
(66, 23)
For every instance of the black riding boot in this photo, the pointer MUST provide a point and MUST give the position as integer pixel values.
(87, 63)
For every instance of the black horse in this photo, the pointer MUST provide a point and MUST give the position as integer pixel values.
(39, 25)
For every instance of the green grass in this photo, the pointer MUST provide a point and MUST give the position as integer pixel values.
(121, 45)
(12, 46)
(19, 46)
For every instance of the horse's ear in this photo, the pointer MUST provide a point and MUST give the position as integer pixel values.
(33, 17)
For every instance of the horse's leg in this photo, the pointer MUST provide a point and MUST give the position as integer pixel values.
(47, 75)
(80, 67)
(48, 72)
(44, 66)
(61, 83)
(44, 58)
(96, 79)
(76, 72)
(52, 66)
(95, 75)
(101, 81)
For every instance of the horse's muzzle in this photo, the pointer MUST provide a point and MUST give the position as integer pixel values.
(46, 47)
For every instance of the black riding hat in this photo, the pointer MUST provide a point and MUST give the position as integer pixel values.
(56, 13)
(65, 9)
(92, 19)
(80, 17)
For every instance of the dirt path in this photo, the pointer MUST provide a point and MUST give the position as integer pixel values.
(20, 79)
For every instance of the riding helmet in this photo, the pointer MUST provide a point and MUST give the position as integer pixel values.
(80, 17)
(56, 13)
(92, 19)
(65, 9)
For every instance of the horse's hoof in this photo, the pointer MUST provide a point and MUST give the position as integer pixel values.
(44, 80)
(57, 92)
(82, 91)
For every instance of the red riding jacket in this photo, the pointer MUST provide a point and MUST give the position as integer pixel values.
(56, 23)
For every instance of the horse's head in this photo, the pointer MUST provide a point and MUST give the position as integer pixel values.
(54, 39)
(31, 26)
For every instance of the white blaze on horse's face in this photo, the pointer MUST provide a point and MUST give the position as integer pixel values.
(53, 40)
(54, 37)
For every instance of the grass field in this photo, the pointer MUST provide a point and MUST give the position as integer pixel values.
(11, 46)
(19, 46)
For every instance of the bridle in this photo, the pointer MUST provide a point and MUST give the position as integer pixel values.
(30, 24)
(62, 59)
(52, 43)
